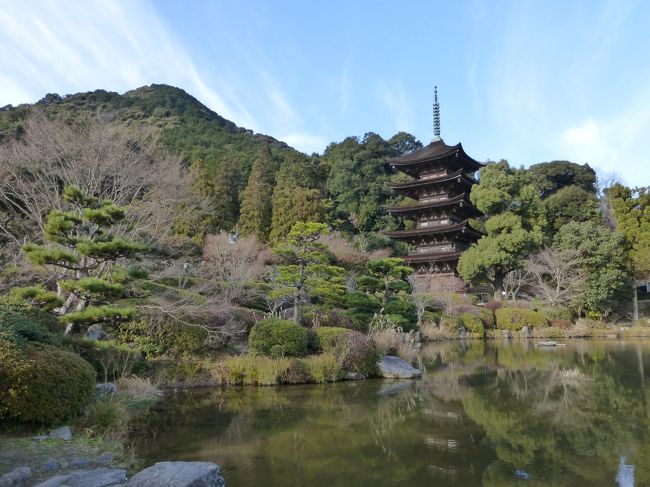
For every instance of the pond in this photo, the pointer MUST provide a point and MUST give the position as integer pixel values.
(485, 413)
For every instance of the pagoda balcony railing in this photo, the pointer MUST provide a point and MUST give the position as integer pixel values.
(431, 175)
(437, 197)
(437, 223)
(432, 249)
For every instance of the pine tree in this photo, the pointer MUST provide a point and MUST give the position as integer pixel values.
(255, 211)
(80, 251)
(294, 198)
(225, 190)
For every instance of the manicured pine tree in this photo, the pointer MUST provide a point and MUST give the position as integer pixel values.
(294, 198)
(305, 269)
(81, 253)
(255, 210)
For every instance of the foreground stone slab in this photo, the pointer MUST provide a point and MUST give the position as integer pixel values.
(16, 478)
(97, 477)
(390, 367)
(179, 474)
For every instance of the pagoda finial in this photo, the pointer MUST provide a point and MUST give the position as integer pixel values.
(436, 115)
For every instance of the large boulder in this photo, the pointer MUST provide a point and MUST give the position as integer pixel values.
(390, 367)
(179, 474)
(96, 477)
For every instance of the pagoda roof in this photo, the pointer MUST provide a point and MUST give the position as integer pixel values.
(429, 257)
(434, 151)
(462, 227)
(460, 200)
(440, 179)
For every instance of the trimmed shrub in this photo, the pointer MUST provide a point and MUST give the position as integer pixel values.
(488, 319)
(284, 337)
(361, 309)
(167, 339)
(472, 323)
(20, 329)
(43, 384)
(402, 313)
(355, 351)
(516, 318)
(317, 317)
(297, 373)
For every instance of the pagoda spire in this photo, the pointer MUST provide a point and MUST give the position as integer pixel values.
(436, 116)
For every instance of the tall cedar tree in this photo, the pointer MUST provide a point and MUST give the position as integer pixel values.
(255, 210)
(226, 187)
(80, 250)
(295, 198)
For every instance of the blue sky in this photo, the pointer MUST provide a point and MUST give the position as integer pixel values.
(521, 80)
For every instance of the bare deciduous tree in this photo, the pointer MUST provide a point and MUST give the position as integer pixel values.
(100, 158)
(421, 295)
(515, 282)
(557, 277)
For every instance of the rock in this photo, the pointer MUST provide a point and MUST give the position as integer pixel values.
(79, 463)
(394, 389)
(103, 458)
(354, 376)
(95, 332)
(16, 478)
(391, 367)
(526, 331)
(179, 474)
(51, 466)
(506, 334)
(105, 389)
(40, 438)
(62, 433)
(97, 477)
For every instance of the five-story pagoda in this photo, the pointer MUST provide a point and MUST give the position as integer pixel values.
(442, 180)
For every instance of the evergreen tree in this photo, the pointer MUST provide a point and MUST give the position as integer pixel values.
(294, 198)
(225, 190)
(514, 227)
(255, 210)
(305, 271)
(80, 251)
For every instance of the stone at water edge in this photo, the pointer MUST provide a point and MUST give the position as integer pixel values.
(95, 332)
(97, 477)
(179, 474)
(105, 389)
(17, 477)
(390, 367)
(62, 433)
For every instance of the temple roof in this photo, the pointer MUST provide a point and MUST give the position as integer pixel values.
(430, 257)
(460, 200)
(435, 150)
(462, 227)
(440, 179)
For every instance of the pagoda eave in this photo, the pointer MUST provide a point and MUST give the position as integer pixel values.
(459, 200)
(435, 151)
(463, 228)
(433, 257)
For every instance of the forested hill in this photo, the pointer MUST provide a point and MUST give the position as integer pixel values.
(255, 183)
(188, 127)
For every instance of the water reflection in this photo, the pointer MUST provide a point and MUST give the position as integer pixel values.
(484, 413)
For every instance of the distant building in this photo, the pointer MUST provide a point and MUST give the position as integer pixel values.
(443, 176)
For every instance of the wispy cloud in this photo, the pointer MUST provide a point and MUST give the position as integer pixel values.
(76, 46)
(398, 103)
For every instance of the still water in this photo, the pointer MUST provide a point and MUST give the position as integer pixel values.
(484, 414)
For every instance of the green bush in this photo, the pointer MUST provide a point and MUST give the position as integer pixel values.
(402, 313)
(111, 360)
(313, 316)
(43, 384)
(288, 338)
(516, 318)
(105, 416)
(354, 350)
(168, 339)
(472, 323)
(361, 309)
(296, 373)
(20, 329)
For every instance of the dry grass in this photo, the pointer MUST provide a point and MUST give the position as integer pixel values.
(323, 368)
(392, 341)
(136, 389)
(430, 332)
(251, 370)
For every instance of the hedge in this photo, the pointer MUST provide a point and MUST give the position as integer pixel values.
(43, 384)
(274, 336)
(516, 318)
(472, 323)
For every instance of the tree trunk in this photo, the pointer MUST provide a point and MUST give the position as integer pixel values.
(497, 285)
(296, 308)
(635, 305)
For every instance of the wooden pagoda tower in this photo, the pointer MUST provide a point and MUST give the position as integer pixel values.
(442, 177)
